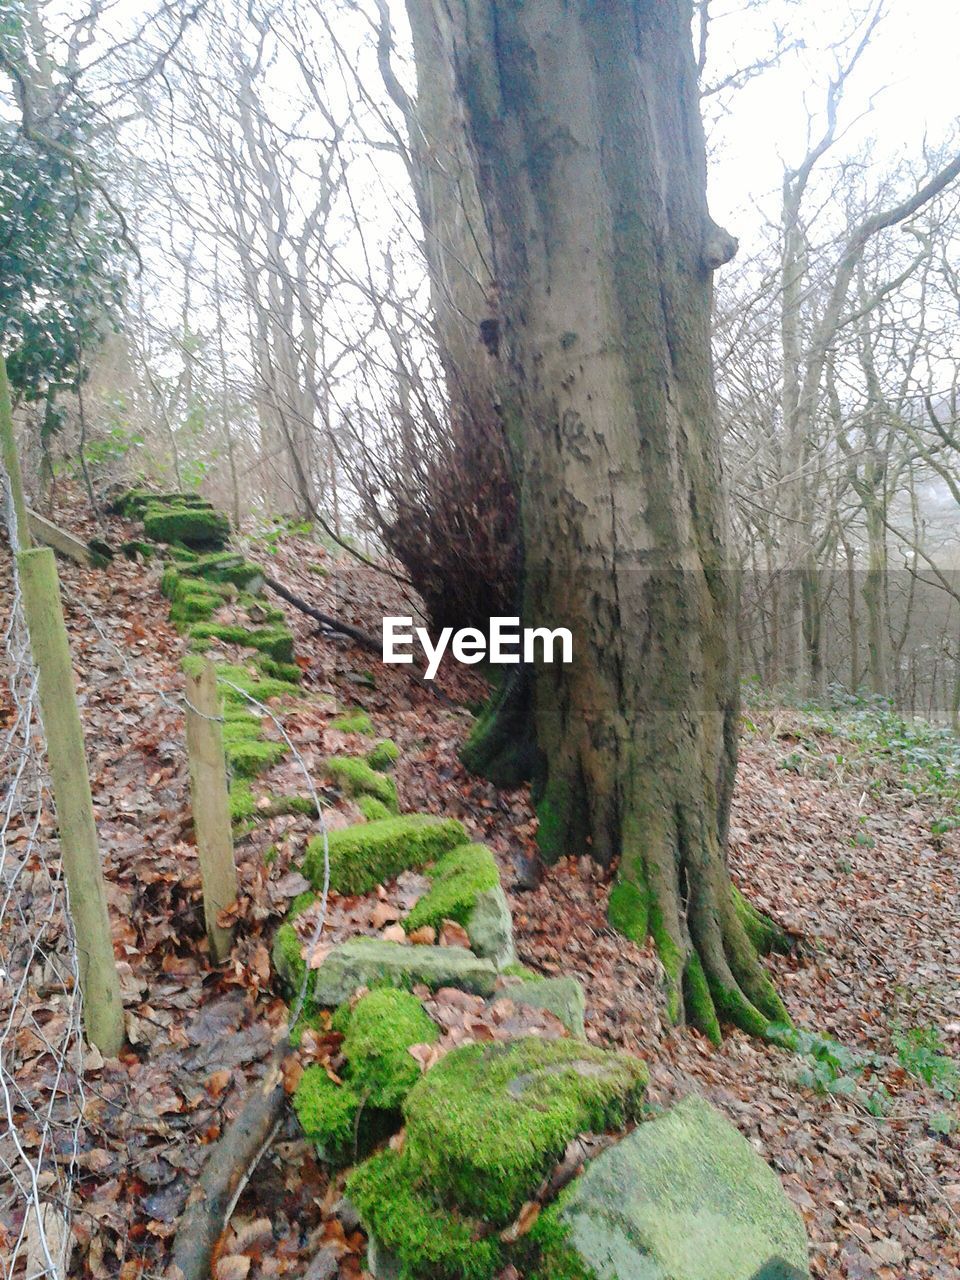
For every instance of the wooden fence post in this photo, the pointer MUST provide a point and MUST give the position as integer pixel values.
(102, 1008)
(11, 463)
(211, 804)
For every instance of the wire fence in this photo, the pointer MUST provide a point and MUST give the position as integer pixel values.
(42, 1095)
(41, 1042)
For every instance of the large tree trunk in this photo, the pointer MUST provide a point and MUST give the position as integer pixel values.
(584, 123)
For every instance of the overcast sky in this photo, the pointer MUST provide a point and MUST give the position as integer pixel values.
(910, 69)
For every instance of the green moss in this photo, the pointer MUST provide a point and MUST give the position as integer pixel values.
(458, 879)
(697, 1000)
(288, 961)
(135, 502)
(548, 1253)
(302, 902)
(194, 606)
(275, 642)
(765, 934)
(429, 1243)
(134, 547)
(240, 726)
(328, 1113)
(187, 583)
(263, 688)
(248, 757)
(168, 581)
(671, 958)
(363, 856)
(385, 1023)
(384, 755)
(354, 721)
(288, 671)
(488, 1122)
(191, 525)
(522, 972)
(242, 802)
(228, 566)
(355, 777)
(372, 808)
(182, 555)
(628, 910)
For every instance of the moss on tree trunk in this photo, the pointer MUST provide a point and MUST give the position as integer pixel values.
(584, 124)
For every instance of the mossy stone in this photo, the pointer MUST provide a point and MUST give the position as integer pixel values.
(488, 1122)
(372, 808)
(288, 961)
(327, 1112)
(355, 777)
(683, 1197)
(276, 642)
(414, 1238)
(490, 927)
(383, 1026)
(193, 526)
(456, 882)
(562, 997)
(363, 856)
(263, 688)
(372, 962)
(247, 756)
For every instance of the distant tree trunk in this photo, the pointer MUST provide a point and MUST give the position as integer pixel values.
(585, 126)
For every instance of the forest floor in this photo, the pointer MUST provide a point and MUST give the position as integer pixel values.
(833, 839)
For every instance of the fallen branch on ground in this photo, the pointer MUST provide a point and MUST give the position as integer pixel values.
(225, 1174)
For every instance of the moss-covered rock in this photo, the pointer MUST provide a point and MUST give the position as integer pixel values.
(466, 888)
(288, 671)
(328, 1113)
(228, 566)
(383, 1026)
(276, 642)
(236, 680)
(372, 962)
(249, 756)
(193, 526)
(196, 606)
(242, 802)
(457, 880)
(355, 778)
(488, 1122)
(423, 1240)
(562, 997)
(372, 808)
(288, 962)
(683, 1197)
(363, 856)
(384, 755)
(354, 721)
(134, 503)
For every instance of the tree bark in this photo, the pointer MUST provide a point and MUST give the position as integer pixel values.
(590, 163)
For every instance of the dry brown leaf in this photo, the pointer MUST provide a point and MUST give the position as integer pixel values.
(453, 934)
(529, 1213)
(425, 936)
(384, 913)
(232, 1266)
(394, 933)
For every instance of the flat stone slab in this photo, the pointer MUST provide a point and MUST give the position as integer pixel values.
(490, 928)
(488, 1122)
(684, 1197)
(562, 997)
(371, 962)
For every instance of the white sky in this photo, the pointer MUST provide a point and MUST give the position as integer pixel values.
(910, 69)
